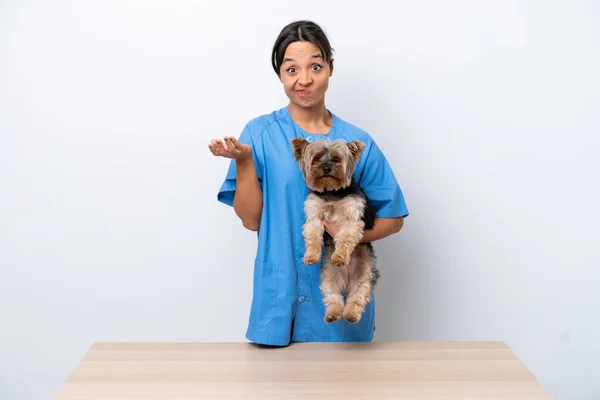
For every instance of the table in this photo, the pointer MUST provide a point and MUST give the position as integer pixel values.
(240, 371)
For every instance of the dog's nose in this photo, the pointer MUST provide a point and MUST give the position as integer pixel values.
(326, 169)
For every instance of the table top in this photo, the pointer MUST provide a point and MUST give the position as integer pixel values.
(376, 370)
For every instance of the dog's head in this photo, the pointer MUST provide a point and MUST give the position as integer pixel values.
(327, 165)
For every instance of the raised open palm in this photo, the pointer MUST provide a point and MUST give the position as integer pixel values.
(229, 147)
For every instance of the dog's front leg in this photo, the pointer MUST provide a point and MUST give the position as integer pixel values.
(346, 240)
(313, 238)
(313, 230)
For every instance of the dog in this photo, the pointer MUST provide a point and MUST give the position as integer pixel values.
(349, 268)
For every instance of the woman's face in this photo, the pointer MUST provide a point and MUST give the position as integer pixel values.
(305, 74)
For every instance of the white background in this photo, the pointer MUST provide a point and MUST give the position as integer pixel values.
(109, 225)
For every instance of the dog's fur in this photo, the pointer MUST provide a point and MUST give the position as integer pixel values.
(349, 267)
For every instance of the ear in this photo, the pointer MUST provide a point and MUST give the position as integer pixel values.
(330, 67)
(356, 147)
(298, 146)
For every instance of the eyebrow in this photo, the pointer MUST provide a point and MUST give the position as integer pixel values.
(292, 60)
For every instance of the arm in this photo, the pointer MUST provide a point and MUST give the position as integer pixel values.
(383, 228)
(247, 201)
(247, 198)
(380, 185)
(377, 180)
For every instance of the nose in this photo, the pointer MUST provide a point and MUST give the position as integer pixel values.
(304, 78)
(326, 169)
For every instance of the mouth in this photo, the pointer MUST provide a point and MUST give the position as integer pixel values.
(328, 177)
(302, 92)
(326, 182)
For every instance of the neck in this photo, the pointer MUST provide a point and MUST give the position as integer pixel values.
(311, 119)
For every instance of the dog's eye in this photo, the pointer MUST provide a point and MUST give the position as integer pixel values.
(335, 159)
(316, 159)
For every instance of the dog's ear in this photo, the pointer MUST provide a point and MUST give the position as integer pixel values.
(356, 147)
(298, 145)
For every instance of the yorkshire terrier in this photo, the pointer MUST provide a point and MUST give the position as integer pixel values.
(349, 267)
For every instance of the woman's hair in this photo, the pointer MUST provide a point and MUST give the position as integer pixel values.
(300, 31)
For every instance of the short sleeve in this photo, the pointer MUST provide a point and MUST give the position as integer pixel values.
(379, 183)
(227, 189)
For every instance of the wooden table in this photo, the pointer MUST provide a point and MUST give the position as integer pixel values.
(377, 370)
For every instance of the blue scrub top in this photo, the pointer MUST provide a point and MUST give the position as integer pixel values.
(286, 291)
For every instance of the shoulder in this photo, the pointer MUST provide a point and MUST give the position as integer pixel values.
(350, 131)
(372, 154)
(258, 125)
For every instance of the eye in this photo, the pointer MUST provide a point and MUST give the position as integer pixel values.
(335, 159)
(316, 159)
(291, 70)
(317, 67)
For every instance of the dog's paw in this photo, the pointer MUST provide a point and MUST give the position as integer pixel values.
(332, 317)
(352, 317)
(339, 259)
(353, 312)
(311, 257)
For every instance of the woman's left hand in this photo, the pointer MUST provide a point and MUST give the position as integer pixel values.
(331, 227)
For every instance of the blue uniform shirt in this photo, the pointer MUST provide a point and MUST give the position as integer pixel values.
(286, 291)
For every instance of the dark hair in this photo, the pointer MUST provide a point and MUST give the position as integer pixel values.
(300, 31)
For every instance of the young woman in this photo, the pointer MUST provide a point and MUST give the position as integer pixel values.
(267, 191)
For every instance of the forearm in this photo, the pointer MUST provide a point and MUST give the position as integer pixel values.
(248, 200)
(384, 227)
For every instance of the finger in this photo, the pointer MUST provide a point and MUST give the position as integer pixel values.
(229, 143)
(218, 145)
(226, 146)
(233, 146)
(212, 149)
(233, 142)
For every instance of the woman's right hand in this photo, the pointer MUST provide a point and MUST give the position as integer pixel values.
(229, 147)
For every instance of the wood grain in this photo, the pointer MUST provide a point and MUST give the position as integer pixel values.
(377, 370)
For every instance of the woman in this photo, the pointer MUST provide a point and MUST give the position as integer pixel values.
(267, 191)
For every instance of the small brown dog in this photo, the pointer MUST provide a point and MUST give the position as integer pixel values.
(349, 267)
